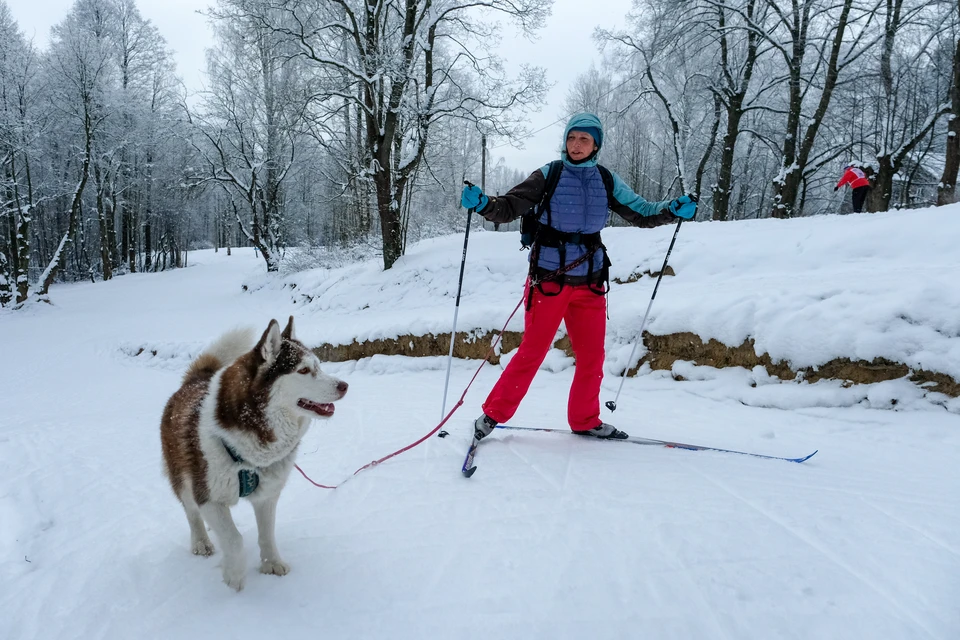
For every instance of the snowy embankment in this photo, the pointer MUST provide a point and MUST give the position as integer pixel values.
(805, 291)
(555, 536)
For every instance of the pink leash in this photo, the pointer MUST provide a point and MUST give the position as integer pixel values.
(442, 422)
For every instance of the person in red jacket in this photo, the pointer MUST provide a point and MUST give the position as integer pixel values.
(858, 181)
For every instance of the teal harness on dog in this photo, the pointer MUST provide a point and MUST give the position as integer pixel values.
(249, 480)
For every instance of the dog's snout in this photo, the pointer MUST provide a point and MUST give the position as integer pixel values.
(342, 387)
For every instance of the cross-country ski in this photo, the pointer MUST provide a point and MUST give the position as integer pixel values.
(469, 468)
(666, 443)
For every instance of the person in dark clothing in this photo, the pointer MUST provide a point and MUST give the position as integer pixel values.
(568, 271)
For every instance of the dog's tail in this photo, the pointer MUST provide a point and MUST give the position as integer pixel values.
(222, 352)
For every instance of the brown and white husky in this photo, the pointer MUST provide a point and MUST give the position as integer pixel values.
(232, 431)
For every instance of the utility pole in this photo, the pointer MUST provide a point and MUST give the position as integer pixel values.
(483, 171)
(483, 163)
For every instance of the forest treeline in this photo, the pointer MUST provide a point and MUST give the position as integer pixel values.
(347, 123)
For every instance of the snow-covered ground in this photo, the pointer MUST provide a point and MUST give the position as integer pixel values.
(806, 290)
(554, 537)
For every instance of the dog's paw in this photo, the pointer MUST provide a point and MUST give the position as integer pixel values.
(234, 574)
(202, 548)
(274, 567)
(235, 582)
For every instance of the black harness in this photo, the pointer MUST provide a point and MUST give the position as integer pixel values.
(249, 479)
(535, 234)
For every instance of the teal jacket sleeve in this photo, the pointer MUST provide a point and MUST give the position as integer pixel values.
(634, 209)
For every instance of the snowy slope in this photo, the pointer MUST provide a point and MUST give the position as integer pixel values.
(553, 537)
(807, 290)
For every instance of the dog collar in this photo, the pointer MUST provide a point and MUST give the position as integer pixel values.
(249, 479)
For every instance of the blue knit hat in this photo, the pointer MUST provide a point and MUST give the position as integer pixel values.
(588, 123)
(593, 131)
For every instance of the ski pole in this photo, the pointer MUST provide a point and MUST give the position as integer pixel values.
(612, 404)
(456, 309)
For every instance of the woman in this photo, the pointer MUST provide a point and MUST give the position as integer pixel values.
(568, 269)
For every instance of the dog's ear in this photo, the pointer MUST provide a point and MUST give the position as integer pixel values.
(288, 333)
(269, 346)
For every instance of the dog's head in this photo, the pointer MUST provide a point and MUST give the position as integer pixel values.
(292, 374)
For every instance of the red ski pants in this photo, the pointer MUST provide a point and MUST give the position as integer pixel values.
(584, 314)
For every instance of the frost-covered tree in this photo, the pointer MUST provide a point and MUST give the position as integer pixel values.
(796, 84)
(105, 121)
(252, 122)
(148, 96)
(731, 26)
(668, 62)
(78, 67)
(19, 127)
(906, 103)
(811, 38)
(403, 66)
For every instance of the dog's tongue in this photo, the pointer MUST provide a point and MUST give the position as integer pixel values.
(324, 409)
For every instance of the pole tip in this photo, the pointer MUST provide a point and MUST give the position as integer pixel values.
(610, 404)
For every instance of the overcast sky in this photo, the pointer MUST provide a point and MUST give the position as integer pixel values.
(564, 47)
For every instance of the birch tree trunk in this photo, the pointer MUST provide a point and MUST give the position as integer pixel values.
(50, 272)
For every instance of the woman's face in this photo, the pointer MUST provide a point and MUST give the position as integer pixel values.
(580, 145)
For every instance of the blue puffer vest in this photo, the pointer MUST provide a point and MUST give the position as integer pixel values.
(579, 204)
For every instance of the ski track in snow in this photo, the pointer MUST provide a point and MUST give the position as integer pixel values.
(811, 542)
(926, 534)
(554, 537)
